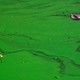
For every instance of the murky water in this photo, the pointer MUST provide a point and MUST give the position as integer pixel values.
(39, 40)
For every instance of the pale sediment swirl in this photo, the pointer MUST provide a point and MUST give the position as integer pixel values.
(21, 42)
(66, 65)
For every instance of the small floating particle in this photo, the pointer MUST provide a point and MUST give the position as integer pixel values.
(75, 16)
(1, 55)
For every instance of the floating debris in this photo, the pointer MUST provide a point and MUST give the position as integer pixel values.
(75, 16)
(1, 55)
(1, 58)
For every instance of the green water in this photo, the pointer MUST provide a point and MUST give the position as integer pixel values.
(39, 40)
